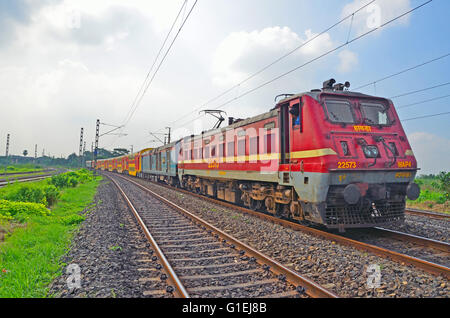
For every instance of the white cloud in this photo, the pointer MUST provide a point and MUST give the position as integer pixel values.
(431, 151)
(348, 61)
(375, 14)
(242, 53)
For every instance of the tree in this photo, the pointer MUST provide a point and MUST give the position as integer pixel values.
(120, 152)
(25, 153)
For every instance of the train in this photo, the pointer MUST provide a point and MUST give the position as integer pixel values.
(330, 156)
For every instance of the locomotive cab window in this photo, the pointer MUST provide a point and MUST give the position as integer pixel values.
(295, 111)
(375, 114)
(340, 111)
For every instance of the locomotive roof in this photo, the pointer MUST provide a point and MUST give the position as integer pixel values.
(315, 93)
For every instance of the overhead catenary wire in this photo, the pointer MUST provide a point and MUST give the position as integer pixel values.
(351, 15)
(161, 62)
(426, 116)
(322, 55)
(403, 71)
(147, 82)
(424, 101)
(420, 90)
(154, 62)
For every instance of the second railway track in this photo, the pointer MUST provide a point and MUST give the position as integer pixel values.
(199, 260)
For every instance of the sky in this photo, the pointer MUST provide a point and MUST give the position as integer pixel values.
(66, 63)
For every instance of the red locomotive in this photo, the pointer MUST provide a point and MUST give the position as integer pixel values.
(329, 156)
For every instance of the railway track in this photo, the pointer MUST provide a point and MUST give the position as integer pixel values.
(26, 172)
(426, 249)
(430, 214)
(25, 179)
(192, 258)
(428, 266)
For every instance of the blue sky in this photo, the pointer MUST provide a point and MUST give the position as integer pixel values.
(67, 63)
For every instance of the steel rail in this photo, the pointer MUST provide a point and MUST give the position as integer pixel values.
(439, 245)
(431, 214)
(25, 172)
(311, 288)
(5, 183)
(180, 290)
(430, 267)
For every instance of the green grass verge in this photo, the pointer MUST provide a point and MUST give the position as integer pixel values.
(20, 168)
(15, 186)
(14, 178)
(30, 256)
(432, 197)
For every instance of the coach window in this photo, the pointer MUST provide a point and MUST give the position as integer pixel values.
(241, 147)
(206, 153)
(230, 149)
(213, 151)
(268, 142)
(254, 146)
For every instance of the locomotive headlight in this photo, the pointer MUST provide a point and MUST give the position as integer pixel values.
(371, 151)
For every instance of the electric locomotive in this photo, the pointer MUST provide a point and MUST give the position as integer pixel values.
(329, 156)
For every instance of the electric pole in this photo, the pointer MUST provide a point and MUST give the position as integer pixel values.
(81, 147)
(7, 145)
(97, 133)
(35, 152)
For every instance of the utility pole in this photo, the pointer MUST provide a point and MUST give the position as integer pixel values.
(168, 135)
(81, 143)
(35, 152)
(81, 147)
(7, 145)
(97, 133)
(131, 149)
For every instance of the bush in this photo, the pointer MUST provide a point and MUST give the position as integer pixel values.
(60, 181)
(51, 194)
(72, 219)
(21, 211)
(71, 179)
(28, 193)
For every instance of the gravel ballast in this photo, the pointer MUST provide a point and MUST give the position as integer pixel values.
(110, 251)
(341, 269)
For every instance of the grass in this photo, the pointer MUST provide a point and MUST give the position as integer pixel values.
(431, 198)
(29, 257)
(13, 187)
(20, 168)
(13, 178)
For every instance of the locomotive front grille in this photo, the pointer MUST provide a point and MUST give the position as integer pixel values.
(364, 213)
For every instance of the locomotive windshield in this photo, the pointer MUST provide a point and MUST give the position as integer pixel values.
(374, 114)
(340, 111)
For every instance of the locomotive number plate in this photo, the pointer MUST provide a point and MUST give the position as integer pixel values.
(404, 164)
(346, 165)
